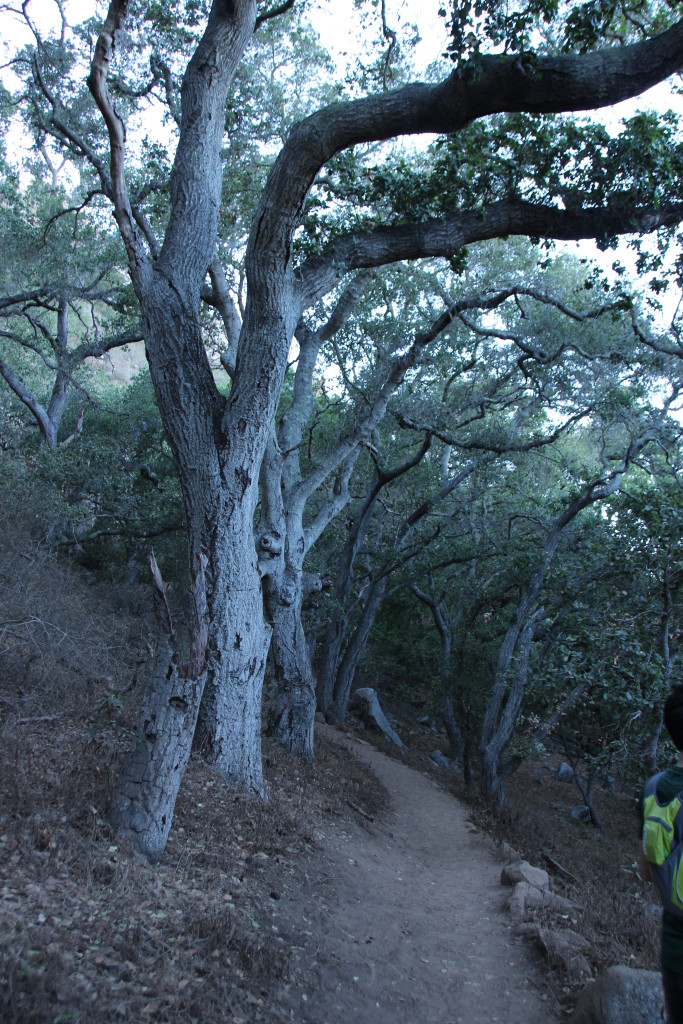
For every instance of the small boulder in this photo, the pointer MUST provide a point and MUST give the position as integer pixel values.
(367, 699)
(621, 995)
(565, 949)
(518, 901)
(581, 813)
(522, 871)
(441, 761)
(527, 897)
(509, 853)
(565, 773)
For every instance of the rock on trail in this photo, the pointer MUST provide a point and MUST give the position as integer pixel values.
(406, 923)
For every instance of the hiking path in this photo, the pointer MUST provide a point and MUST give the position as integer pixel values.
(405, 921)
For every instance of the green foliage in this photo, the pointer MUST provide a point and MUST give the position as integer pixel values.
(475, 26)
(110, 491)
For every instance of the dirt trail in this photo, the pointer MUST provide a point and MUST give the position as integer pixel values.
(407, 924)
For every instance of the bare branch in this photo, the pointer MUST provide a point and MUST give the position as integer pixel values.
(97, 83)
(443, 237)
(25, 396)
(76, 433)
(160, 591)
(219, 297)
(274, 12)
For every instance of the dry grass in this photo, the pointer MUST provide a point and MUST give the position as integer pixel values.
(88, 931)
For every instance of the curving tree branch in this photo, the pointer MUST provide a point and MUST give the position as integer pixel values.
(446, 235)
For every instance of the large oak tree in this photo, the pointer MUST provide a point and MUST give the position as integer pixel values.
(219, 440)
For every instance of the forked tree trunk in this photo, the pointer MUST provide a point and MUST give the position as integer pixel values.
(508, 694)
(289, 697)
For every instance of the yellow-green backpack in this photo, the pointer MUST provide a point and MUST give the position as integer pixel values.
(663, 845)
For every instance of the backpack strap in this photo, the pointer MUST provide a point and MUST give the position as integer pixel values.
(650, 787)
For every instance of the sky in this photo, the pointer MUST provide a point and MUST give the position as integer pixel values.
(342, 34)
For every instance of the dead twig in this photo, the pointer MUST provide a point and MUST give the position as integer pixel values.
(359, 810)
(557, 867)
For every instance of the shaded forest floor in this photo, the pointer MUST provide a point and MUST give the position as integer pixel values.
(228, 928)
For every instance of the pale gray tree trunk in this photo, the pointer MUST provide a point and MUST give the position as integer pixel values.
(143, 802)
(144, 798)
(338, 621)
(291, 696)
(492, 772)
(284, 542)
(355, 647)
(445, 628)
(335, 632)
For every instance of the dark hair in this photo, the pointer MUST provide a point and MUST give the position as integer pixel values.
(673, 715)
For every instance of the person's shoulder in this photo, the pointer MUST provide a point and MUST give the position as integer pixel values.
(670, 783)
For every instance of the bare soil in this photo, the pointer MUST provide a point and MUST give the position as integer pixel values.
(406, 921)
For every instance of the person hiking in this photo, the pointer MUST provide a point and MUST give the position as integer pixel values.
(660, 795)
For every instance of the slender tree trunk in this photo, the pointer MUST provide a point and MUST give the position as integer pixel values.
(468, 752)
(289, 697)
(499, 730)
(456, 744)
(327, 665)
(652, 742)
(445, 628)
(490, 778)
(55, 409)
(352, 654)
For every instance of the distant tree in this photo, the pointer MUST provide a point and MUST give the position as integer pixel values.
(63, 295)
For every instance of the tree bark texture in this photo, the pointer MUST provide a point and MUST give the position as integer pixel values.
(291, 693)
(144, 798)
(142, 806)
